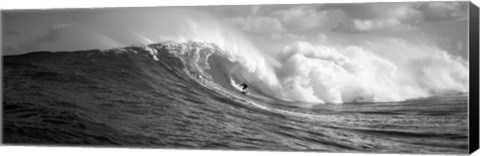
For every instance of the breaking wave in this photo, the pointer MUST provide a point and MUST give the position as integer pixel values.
(322, 74)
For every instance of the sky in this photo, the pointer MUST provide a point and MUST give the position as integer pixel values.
(269, 27)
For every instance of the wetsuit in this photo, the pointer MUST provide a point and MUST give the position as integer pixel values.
(245, 86)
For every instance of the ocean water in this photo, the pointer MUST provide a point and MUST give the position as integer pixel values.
(181, 95)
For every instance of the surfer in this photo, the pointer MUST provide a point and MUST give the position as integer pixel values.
(244, 87)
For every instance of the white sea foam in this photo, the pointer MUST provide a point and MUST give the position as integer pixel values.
(352, 74)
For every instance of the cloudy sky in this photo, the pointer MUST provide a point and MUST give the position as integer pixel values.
(268, 27)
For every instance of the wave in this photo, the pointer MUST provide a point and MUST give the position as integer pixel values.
(161, 94)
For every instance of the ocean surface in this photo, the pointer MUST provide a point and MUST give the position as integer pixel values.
(180, 95)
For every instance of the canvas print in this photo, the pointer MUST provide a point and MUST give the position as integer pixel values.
(351, 77)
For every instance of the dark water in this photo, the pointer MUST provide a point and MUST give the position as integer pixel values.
(127, 98)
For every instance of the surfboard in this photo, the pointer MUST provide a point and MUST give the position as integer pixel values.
(244, 92)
